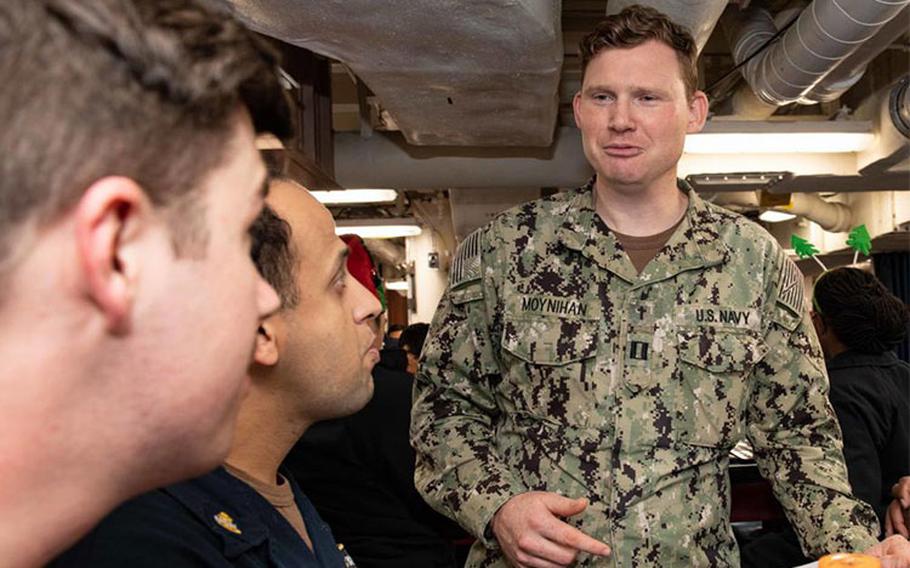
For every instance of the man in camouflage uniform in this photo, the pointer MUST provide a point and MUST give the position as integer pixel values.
(563, 363)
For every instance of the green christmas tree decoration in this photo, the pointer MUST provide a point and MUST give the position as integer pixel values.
(805, 249)
(860, 241)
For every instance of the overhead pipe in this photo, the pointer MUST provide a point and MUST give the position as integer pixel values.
(852, 68)
(830, 215)
(825, 35)
(385, 160)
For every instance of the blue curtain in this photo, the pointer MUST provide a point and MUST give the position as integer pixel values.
(893, 269)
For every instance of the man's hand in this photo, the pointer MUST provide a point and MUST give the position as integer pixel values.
(897, 516)
(530, 532)
(894, 552)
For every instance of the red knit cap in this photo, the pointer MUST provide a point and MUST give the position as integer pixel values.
(362, 267)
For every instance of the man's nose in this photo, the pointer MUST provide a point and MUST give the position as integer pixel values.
(366, 305)
(621, 118)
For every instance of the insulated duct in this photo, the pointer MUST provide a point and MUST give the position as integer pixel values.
(828, 35)
(448, 72)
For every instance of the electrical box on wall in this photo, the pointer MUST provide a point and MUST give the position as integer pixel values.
(433, 260)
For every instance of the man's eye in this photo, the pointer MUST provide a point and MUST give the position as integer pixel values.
(341, 279)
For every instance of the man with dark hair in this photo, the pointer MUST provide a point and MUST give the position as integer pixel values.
(312, 362)
(599, 352)
(393, 334)
(359, 470)
(129, 178)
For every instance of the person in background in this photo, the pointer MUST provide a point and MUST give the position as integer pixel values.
(411, 342)
(312, 362)
(129, 179)
(393, 334)
(359, 470)
(858, 322)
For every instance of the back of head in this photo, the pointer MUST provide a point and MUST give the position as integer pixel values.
(635, 25)
(413, 338)
(144, 90)
(861, 312)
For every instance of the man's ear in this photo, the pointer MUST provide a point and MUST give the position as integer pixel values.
(698, 112)
(576, 109)
(266, 353)
(108, 217)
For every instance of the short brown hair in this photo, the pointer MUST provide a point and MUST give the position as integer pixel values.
(635, 25)
(148, 90)
(275, 257)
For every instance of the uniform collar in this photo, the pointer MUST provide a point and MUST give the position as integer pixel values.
(222, 503)
(695, 244)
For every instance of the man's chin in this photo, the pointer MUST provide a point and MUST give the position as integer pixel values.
(368, 389)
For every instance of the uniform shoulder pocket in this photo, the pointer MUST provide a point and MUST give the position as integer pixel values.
(465, 277)
(788, 310)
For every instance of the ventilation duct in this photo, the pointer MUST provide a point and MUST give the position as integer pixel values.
(822, 54)
(448, 72)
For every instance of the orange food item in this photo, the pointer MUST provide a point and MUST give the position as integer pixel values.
(849, 561)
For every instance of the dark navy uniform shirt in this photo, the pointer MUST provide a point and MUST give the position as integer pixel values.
(212, 521)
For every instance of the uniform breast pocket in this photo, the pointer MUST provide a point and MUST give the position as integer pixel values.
(549, 366)
(715, 365)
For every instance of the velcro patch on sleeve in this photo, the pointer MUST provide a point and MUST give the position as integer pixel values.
(790, 287)
(466, 266)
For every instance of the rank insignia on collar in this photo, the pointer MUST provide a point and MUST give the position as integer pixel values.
(226, 522)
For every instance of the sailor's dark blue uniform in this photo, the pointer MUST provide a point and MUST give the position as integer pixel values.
(212, 521)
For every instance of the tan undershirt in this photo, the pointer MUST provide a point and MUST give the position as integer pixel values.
(642, 250)
(281, 496)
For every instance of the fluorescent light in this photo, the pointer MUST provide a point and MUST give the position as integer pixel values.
(348, 196)
(378, 228)
(398, 285)
(773, 143)
(773, 137)
(772, 216)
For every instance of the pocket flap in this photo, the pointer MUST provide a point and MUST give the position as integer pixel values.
(720, 351)
(550, 341)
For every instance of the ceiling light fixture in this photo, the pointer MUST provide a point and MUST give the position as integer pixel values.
(772, 216)
(352, 196)
(378, 228)
(397, 285)
(775, 137)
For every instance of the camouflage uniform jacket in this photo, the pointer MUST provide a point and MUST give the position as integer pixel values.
(552, 365)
